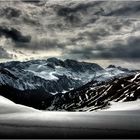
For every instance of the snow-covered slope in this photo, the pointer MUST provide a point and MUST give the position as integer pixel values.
(108, 124)
(124, 106)
(9, 107)
(17, 121)
(121, 120)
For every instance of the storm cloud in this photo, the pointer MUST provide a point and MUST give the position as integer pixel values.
(77, 29)
(10, 12)
(14, 34)
(116, 50)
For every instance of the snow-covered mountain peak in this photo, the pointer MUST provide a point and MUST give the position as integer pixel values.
(54, 75)
(43, 83)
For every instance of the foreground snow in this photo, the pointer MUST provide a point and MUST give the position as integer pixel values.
(7, 107)
(122, 106)
(18, 121)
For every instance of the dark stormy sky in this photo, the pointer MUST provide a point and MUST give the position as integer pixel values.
(106, 32)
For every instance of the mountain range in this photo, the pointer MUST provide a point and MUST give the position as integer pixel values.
(55, 84)
(54, 75)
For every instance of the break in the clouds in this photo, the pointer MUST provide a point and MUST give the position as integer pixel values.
(79, 29)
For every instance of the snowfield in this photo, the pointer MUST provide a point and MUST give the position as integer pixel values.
(7, 106)
(18, 121)
(122, 106)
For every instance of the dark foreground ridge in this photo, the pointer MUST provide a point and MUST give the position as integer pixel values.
(94, 96)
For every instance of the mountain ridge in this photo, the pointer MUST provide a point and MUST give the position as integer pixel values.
(47, 82)
(91, 96)
(47, 73)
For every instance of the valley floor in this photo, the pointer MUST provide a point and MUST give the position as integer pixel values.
(18, 121)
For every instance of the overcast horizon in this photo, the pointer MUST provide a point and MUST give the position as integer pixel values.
(103, 32)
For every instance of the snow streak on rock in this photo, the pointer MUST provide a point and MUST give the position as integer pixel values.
(93, 96)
